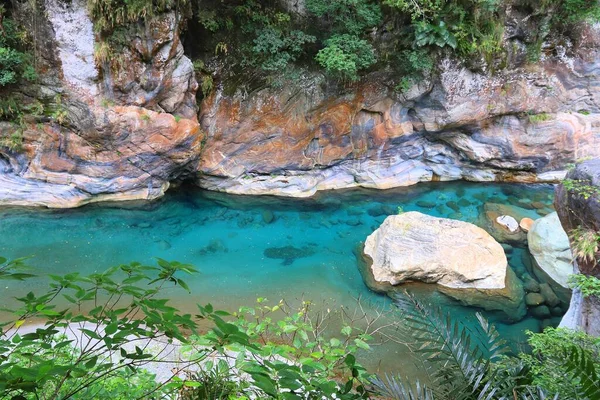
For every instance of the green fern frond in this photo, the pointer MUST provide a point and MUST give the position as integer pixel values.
(395, 388)
(461, 365)
(581, 366)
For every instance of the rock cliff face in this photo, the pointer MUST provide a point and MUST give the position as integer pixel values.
(577, 210)
(522, 126)
(112, 132)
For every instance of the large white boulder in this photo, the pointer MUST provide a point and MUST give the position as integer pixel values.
(418, 247)
(549, 245)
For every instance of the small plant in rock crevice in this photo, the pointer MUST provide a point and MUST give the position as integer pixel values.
(585, 244)
(589, 285)
(538, 118)
(581, 188)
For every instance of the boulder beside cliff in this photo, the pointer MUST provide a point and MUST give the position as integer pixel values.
(578, 206)
(549, 246)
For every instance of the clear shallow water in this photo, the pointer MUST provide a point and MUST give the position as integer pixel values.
(305, 251)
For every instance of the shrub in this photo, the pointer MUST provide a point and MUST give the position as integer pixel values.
(471, 26)
(548, 362)
(274, 49)
(589, 285)
(289, 356)
(119, 311)
(16, 63)
(346, 55)
(345, 16)
(537, 118)
(469, 364)
(578, 10)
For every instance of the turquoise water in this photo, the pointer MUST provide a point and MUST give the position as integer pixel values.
(249, 247)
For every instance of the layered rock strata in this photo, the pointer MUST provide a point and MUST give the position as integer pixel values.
(108, 132)
(520, 126)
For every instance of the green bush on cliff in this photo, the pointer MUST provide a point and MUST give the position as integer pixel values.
(578, 10)
(468, 26)
(16, 63)
(589, 285)
(352, 17)
(345, 55)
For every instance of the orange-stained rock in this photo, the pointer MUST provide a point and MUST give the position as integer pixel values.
(526, 224)
(302, 138)
(132, 153)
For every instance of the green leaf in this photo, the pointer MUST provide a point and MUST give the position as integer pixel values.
(361, 344)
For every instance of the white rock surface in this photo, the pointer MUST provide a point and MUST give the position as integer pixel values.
(508, 222)
(549, 245)
(74, 34)
(418, 247)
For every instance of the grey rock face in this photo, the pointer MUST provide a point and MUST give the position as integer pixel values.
(576, 210)
(152, 72)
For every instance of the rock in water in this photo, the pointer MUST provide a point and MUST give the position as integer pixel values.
(549, 245)
(526, 224)
(289, 253)
(418, 247)
(550, 297)
(467, 263)
(534, 299)
(508, 222)
(268, 216)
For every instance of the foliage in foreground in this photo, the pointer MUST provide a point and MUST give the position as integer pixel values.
(474, 365)
(100, 331)
(96, 332)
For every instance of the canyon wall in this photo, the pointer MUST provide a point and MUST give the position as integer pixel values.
(115, 130)
(125, 126)
(520, 126)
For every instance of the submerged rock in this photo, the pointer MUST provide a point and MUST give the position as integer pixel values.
(214, 246)
(550, 298)
(540, 312)
(425, 204)
(507, 301)
(268, 216)
(289, 253)
(534, 299)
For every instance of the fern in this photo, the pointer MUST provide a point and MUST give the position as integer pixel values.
(397, 389)
(580, 366)
(460, 364)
